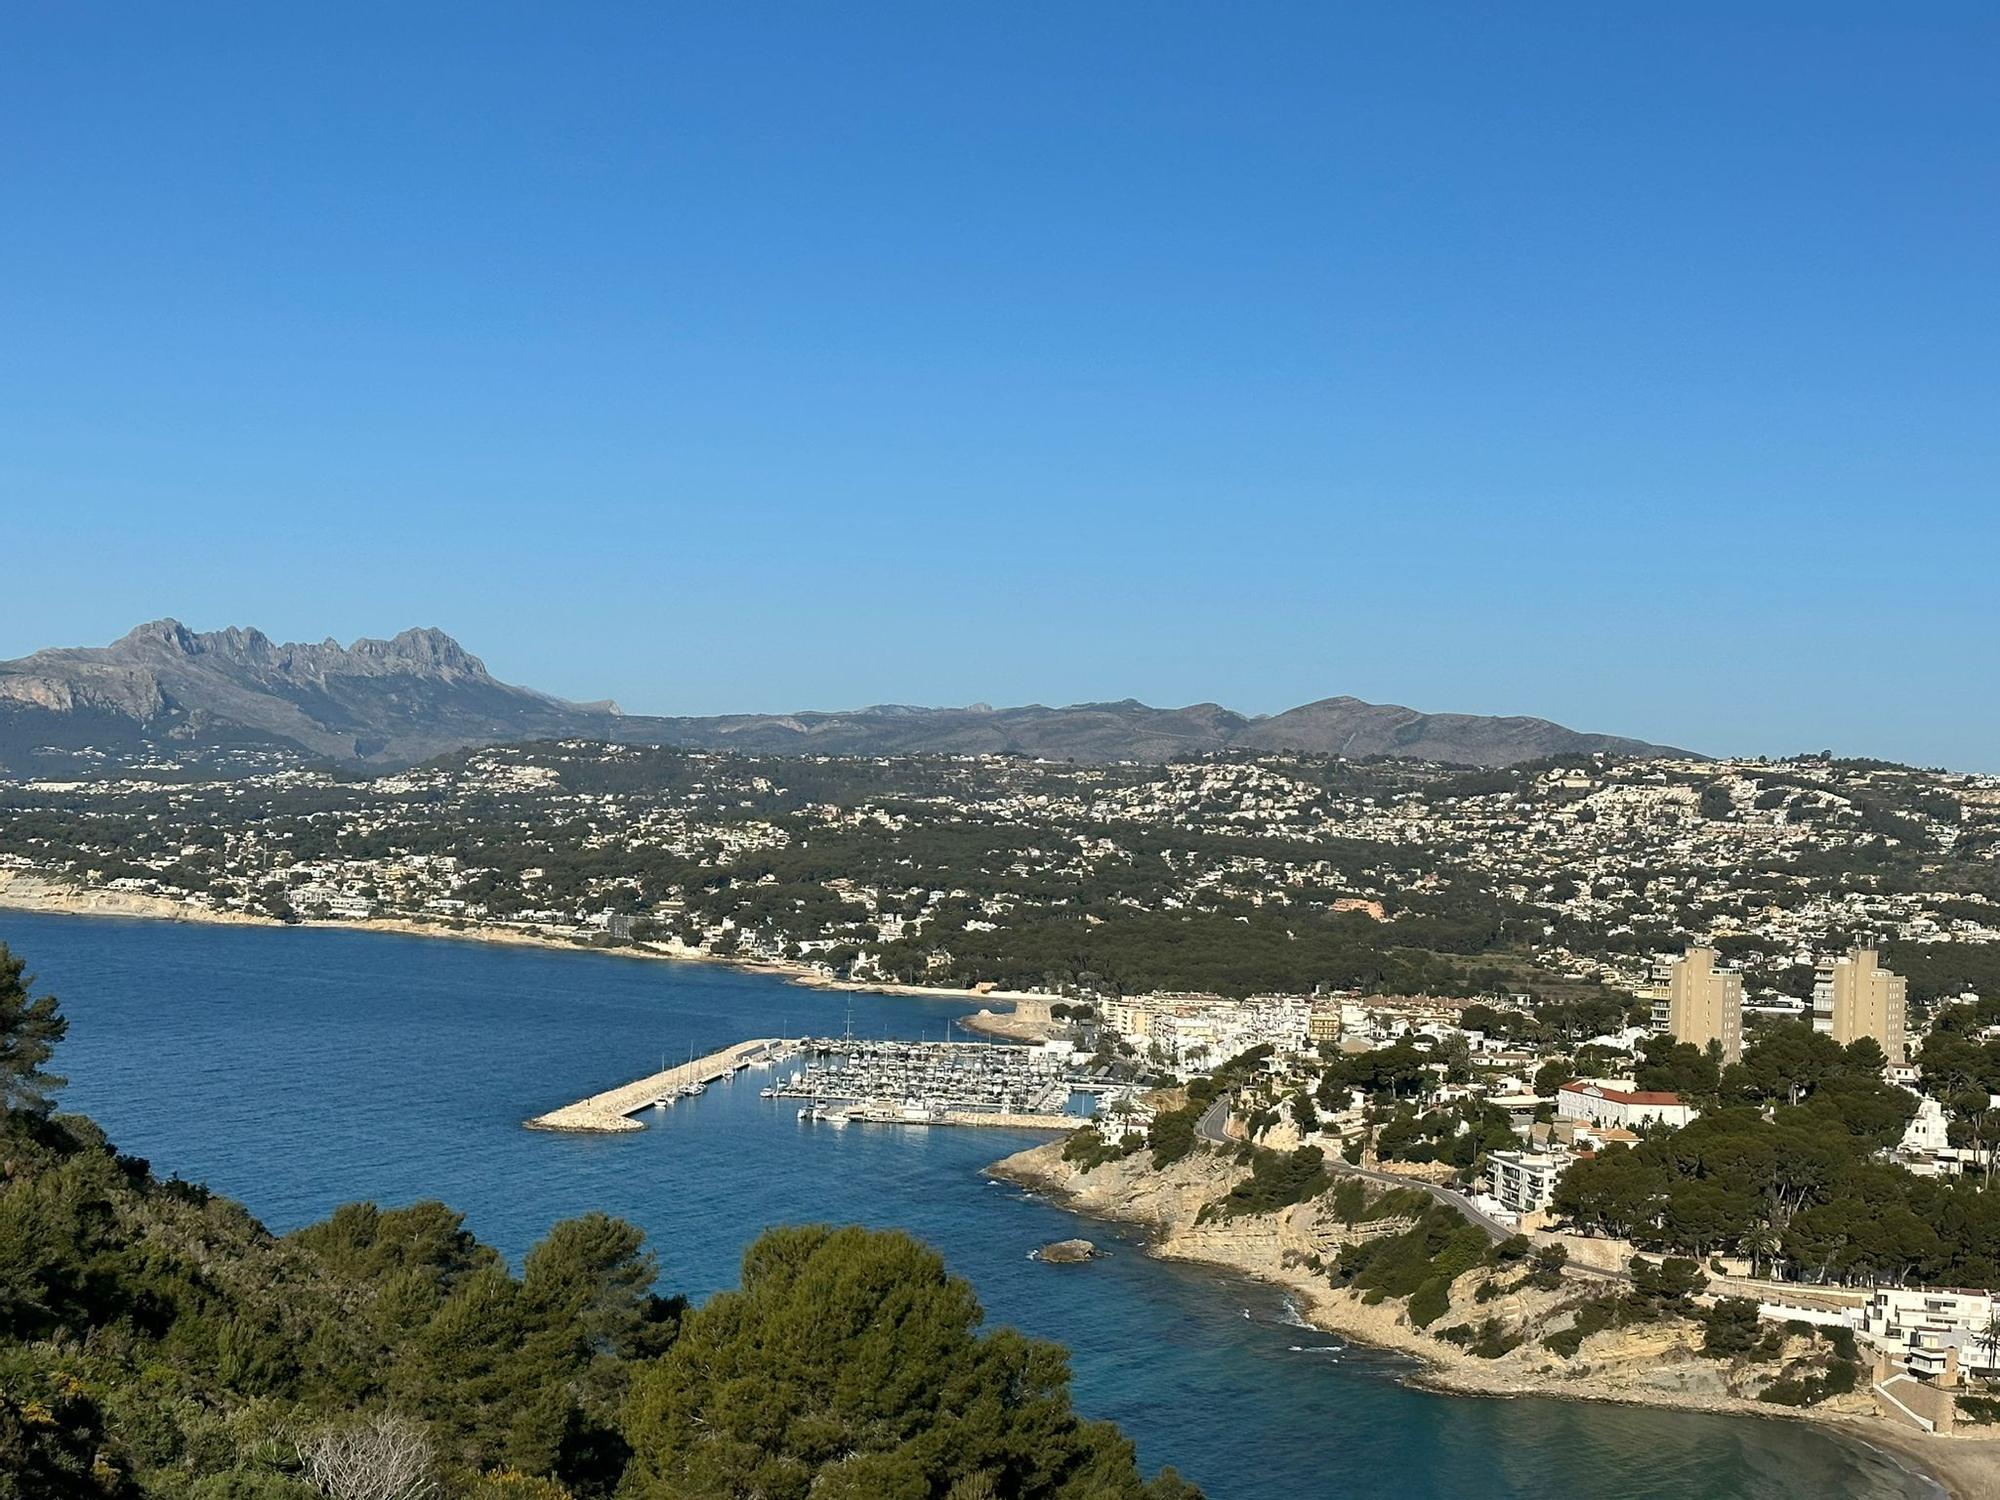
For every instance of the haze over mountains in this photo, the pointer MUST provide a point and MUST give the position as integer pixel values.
(419, 694)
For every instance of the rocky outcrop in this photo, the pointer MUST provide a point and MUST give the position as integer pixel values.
(1067, 1252)
(1656, 1363)
(135, 694)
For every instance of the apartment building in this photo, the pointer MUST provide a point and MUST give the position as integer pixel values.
(1705, 1004)
(1863, 999)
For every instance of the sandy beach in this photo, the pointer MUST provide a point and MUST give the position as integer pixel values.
(31, 890)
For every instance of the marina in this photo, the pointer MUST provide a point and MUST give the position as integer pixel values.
(919, 1081)
(845, 1079)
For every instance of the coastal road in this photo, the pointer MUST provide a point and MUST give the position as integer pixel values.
(1450, 1197)
(1213, 1127)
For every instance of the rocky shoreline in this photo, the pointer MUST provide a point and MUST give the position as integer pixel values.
(1650, 1365)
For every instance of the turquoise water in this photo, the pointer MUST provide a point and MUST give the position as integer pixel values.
(298, 1069)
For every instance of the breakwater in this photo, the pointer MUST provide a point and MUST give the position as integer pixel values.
(884, 1082)
(613, 1109)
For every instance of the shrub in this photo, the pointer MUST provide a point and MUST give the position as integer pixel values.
(1979, 1408)
(1672, 1281)
(1494, 1341)
(1088, 1149)
(1838, 1379)
(1430, 1302)
(1789, 1392)
(1277, 1181)
(1730, 1328)
(1171, 1134)
(1591, 1317)
(1548, 1263)
(1564, 1343)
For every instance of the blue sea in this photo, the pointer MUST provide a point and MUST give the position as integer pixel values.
(297, 1069)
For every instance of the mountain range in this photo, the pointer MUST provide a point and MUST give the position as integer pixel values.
(163, 688)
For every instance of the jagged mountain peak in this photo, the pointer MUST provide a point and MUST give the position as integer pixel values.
(415, 694)
(424, 650)
(420, 693)
(421, 650)
(168, 633)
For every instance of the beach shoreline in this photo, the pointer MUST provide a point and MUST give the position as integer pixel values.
(43, 894)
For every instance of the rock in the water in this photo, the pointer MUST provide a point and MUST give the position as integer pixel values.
(1066, 1252)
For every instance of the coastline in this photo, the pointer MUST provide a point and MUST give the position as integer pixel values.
(34, 891)
(1963, 1468)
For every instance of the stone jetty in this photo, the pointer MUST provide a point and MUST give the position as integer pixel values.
(613, 1109)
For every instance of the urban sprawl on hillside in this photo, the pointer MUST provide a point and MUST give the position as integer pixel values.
(1741, 1012)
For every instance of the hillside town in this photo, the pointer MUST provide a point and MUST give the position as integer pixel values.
(1660, 1139)
(909, 868)
(1515, 987)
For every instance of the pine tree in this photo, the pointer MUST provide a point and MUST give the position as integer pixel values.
(30, 1027)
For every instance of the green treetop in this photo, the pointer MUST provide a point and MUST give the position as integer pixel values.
(850, 1367)
(30, 1027)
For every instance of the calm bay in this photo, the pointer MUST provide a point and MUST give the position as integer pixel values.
(297, 1069)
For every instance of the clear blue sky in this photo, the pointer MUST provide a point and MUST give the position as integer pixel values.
(1635, 366)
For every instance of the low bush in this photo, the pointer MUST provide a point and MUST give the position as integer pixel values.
(1730, 1328)
(1430, 1302)
(1277, 1180)
(1087, 1149)
(1979, 1408)
(1801, 1389)
(1591, 1317)
(1548, 1263)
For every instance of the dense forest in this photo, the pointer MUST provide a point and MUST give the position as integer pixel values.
(155, 1340)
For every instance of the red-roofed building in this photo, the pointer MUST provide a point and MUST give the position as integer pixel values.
(1604, 1104)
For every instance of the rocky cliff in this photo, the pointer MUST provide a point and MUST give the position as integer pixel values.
(377, 701)
(1656, 1363)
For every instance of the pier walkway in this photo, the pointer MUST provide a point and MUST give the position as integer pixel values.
(878, 1113)
(612, 1109)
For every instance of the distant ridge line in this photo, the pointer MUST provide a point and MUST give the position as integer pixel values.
(419, 693)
